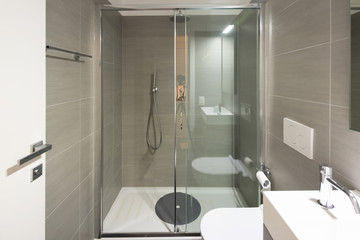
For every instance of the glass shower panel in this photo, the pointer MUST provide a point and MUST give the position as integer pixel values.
(222, 113)
(180, 117)
(138, 121)
(185, 212)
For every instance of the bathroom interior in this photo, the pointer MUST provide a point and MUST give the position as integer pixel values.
(170, 111)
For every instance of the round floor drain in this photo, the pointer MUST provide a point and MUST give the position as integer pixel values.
(187, 208)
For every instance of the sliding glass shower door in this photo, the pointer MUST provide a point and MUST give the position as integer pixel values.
(217, 109)
(180, 117)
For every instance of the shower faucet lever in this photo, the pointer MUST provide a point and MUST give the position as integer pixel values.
(181, 120)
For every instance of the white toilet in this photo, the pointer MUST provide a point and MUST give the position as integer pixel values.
(218, 171)
(233, 224)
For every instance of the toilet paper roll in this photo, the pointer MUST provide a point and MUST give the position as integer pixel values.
(264, 181)
(249, 162)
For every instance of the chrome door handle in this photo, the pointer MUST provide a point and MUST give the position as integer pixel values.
(38, 149)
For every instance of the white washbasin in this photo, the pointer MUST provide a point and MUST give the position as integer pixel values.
(296, 215)
(233, 224)
(213, 117)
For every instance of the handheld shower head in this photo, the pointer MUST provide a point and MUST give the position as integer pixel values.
(154, 88)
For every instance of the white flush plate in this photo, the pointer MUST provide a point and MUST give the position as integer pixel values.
(298, 136)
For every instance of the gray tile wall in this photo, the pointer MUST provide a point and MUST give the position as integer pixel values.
(308, 81)
(71, 124)
(355, 66)
(246, 92)
(147, 47)
(112, 116)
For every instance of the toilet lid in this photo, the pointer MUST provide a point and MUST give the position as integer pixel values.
(233, 224)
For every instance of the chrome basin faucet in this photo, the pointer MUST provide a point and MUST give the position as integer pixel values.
(326, 184)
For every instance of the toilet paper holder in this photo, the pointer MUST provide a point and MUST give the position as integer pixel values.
(264, 169)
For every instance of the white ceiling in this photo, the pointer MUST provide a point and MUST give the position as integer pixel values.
(176, 3)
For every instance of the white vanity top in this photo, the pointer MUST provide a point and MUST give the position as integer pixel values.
(294, 215)
(232, 224)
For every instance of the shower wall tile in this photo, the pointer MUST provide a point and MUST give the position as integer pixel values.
(305, 23)
(64, 221)
(274, 7)
(107, 77)
(87, 79)
(117, 77)
(86, 156)
(87, 117)
(62, 177)
(340, 20)
(62, 80)
(340, 73)
(108, 109)
(86, 231)
(62, 126)
(63, 24)
(303, 74)
(76, 236)
(107, 35)
(86, 197)
(71, 119)
(108, 141)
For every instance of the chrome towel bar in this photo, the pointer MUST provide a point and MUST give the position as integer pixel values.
(77, 55)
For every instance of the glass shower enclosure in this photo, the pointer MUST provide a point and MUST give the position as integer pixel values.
(180, 117)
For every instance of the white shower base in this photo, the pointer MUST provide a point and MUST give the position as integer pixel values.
(133, 211)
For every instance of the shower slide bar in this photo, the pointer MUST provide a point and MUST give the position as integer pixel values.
(77, 55)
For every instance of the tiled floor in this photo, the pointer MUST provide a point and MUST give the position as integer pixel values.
(134, 208)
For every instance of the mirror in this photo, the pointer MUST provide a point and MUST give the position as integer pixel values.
(355, 66)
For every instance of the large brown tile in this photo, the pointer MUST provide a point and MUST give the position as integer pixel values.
(62, 177)
(87, 79)
(107, 37)
(344, 145)
(289, 169)
(63, 24)
(97, 220)
(340, 19)
(107, 77)
(62, 81)
(87, 117)
(340, 73)
(108, 141)
(108, 109)
(62, 126)
(86, 197)
(311, 114)
(64, 221)
(303, 24)
(303, 74)
(276, 6)
(86, 156)
(87, 228)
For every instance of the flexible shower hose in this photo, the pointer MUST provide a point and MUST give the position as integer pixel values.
(153, 108)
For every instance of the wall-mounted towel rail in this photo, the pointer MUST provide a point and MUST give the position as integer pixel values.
(77, 55)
